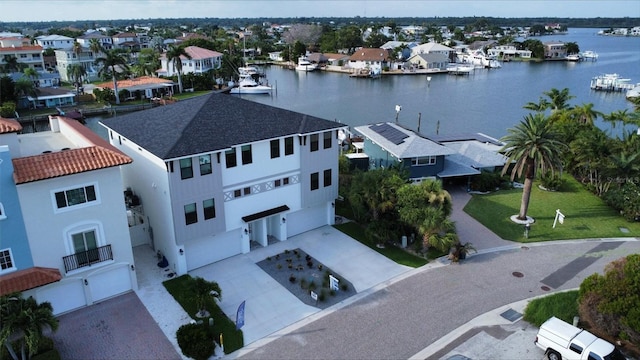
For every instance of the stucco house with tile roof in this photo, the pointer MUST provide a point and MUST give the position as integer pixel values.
(66, 232)
(218, 174)
(202, 60)
(369, 58)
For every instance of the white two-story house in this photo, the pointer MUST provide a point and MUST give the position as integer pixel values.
(216, 174)
(70, 209)
(202, 60)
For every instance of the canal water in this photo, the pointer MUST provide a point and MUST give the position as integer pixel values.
(487, 101)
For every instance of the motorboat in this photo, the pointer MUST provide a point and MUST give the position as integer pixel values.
(305, 65)
(479, 59)
(610, 82)
(460, 69)
(590, 55)
(573, 57)
(247, 85)
(634, 92)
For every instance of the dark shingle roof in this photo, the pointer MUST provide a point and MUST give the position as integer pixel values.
(211, 123)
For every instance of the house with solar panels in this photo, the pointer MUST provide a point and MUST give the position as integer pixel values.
(452, 157)
(218, 175)
(63, 225)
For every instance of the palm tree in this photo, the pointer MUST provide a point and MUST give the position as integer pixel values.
(585, 114)
(11, 63)
(174, 57)
(559, 99)
(76, 48)
(96, 47)
(76, 73)
(531, 145)
(541, 106)
(23, 323)
(112, 60)
(31, 73)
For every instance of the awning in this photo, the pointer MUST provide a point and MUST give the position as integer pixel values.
(263, 214)
(26, 279)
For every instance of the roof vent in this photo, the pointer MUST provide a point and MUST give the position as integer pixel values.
(63, 149)
(46, 152)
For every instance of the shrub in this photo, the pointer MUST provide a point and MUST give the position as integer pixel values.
(195, 342)
(8, 110)
(625, 199)
(292, 279)
(312, 285)
(486, 181)
(551, 181)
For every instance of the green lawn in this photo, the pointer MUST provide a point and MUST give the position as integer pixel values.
(586, 215)
(182, 291)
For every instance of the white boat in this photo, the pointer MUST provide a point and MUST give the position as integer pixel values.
(460, 69)
(247, 85)
(634, 92)
(573, 57)
(479, 59)
(305, 65)
(590, 55)
(248, 70)
(610, 82)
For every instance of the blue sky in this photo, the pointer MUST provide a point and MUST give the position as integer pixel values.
(46, 10)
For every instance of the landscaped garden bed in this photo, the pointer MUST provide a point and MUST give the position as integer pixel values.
(301, 274)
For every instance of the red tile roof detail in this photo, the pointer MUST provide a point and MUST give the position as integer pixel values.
(99, 154)
(143, 80)
(9, 125)
(21, 48)
(26, 279)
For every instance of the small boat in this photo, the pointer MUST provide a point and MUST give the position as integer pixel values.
(610, 82)
(573, 57)
(590, 55)
(460, 69)
(305, 65)
(247, 85)
(634, 92)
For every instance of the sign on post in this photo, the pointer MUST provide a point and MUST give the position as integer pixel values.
(559, 218)
(240, 316)
(334, 283)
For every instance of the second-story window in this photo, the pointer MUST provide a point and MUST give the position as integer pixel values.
(275, 148)
(186, 169)
(314, 142)
(76, 196)
(205, 164)
(327, 140)
(247, 157)
(230, 158)
(288, 146)
(6, 261)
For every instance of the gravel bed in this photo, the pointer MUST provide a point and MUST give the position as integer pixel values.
(278, 268)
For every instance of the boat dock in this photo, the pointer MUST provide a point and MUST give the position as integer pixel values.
(611, 82)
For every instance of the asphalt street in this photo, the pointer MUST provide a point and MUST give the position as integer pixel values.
(399, 319)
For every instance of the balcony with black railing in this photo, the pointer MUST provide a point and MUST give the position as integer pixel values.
(87, 258)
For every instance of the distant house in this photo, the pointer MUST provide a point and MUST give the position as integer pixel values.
(508, 52)
(142, 87)
(433, 48)
(202, 60)
(276, 56)
(50, 97)
(369, 58)
(231, 174)
(127, 41)
(431, 62)
(65, 237)
(86, 58)
(105, 41)
(28, 55)
(44, 79)
(555, 50)
(55, 42)
(402, 49)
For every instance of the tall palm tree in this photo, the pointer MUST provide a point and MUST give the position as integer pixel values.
(23, 322)
(541, 106)
(31, 73)
(76, 73)
(11, 63)
(559, 99)
(174, 57)
(76, 48)
(531, 145)
(96, 47)
(585, 114)
(110, 63)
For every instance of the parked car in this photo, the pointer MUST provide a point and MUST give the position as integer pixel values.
(561, 340)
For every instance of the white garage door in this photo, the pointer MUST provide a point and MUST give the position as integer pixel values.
(109, 282)
(64, 295)
(305, 220)
(204, 251)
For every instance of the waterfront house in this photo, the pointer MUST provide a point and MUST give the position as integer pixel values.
(86, 58)
(508, 52)
(50, 97)
(218, 175)
(142, 87)
(437, 157)
(369, 58)
(65, 237)
(402, 49)
(429, 62)
(555, 50)
(434, 48)
(202, 60)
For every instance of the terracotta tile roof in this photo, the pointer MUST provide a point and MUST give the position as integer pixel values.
(67, 162)
(143, 80)
(9, 125)
(26, 279)
(369, 54)
(21, 48)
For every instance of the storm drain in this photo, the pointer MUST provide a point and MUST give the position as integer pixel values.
(511, 315)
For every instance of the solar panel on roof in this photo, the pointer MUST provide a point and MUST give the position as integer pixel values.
(390, 133)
